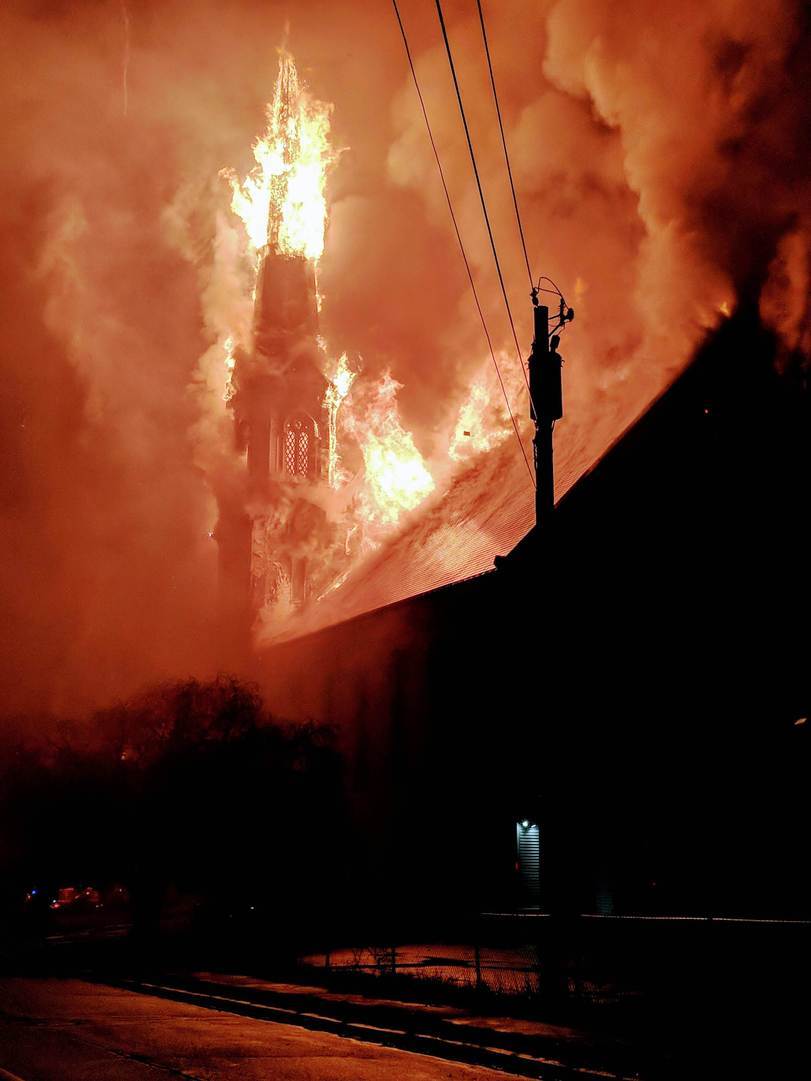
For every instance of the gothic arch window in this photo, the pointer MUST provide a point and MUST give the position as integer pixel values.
(299, 445)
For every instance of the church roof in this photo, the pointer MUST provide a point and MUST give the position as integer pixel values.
(487, 510)
(607, 463)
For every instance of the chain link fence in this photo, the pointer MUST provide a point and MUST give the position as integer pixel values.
(512, 970)
(591, 957)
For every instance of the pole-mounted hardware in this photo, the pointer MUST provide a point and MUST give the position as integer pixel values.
(546, 399)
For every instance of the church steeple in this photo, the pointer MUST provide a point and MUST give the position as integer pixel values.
(272, 526)
(278, 405)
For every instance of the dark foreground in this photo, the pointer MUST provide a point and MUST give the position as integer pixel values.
(71, 1030)
(211, 1026)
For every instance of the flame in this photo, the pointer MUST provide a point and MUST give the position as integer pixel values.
(281, 201)
(230, 361)
(282, 206)
(483, 422)
(475, 431)
(396, 478)
(337, 389)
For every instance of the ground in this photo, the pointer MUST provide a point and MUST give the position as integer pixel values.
(75, 1031)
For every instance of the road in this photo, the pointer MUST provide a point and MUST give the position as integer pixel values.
(69, 1030)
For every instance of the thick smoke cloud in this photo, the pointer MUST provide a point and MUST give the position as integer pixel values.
(662, 167)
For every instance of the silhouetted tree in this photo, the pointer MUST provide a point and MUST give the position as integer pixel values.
(192, 785)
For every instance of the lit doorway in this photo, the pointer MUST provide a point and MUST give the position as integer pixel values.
(528, 863)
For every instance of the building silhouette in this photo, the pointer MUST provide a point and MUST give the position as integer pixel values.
(632, 683)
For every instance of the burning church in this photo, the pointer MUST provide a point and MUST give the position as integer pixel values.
(489, 716)
(292, 527)
(273, 536)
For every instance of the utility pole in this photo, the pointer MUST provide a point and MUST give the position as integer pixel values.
(546, 406)
(546, 403)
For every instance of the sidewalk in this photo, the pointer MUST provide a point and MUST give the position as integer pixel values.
(528, 1048)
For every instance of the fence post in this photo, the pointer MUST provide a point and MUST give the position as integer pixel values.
(477, 960)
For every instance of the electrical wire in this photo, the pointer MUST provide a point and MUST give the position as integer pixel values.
(481, 197)
(504, 140)
(545, 278)
(459, 240)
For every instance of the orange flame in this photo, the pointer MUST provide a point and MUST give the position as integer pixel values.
(281, 201)
(230, 361)
(396, 477)
(337, 389)
(482, 422)
(282, 205)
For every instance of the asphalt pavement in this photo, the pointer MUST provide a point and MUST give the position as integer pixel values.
(523, 1046)
(72, 1030)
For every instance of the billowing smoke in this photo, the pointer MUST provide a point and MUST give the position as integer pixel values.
(661, 162)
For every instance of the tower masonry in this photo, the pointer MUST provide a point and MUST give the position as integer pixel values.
(280, 423)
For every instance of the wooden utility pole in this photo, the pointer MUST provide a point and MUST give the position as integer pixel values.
(546, 406)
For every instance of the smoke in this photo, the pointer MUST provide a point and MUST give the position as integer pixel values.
(661, 164)
(658, 161)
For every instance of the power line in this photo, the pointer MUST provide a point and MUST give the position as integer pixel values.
(504, 140)
(459, 240)
(481, 197)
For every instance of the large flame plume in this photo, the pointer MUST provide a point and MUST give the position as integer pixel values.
(282, 201)
(396, 476)
(282, 206)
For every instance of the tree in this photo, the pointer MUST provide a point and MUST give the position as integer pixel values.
(191, 785)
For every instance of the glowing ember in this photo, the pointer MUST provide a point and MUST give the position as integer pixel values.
(281, 201)
(396, 477)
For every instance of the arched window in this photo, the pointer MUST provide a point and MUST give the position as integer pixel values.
(299, 446)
